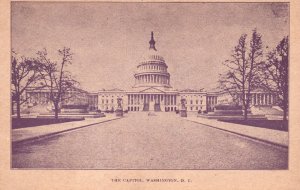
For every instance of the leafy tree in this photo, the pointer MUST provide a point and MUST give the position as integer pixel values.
(242, 76)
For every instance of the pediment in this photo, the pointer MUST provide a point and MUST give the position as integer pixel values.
(152, 90)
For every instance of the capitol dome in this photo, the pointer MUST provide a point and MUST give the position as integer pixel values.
(152, 69)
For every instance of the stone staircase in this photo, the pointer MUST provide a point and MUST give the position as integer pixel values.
(37, 109)
(272, 113)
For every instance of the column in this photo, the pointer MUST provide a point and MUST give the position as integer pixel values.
(271, 99)
(256, 101)
(141, 99)
(133, 99)
(129, 100)
(174, 102)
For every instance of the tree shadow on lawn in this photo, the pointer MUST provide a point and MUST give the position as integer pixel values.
(32, 122)
(268, 124)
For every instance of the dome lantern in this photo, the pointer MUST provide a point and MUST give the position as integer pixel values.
(152, 69)
(152, 42)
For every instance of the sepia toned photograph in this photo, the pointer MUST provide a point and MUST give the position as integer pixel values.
(149, 86)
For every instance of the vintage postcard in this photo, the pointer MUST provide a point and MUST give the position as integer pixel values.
(150, 95)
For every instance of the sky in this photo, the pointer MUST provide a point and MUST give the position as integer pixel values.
(109, 39)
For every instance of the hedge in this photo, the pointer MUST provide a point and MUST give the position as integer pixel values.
(228, 107)
(75, 106)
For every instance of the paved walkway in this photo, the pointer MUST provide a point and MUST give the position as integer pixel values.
(142, 141)
(32, 133)
(268, 135)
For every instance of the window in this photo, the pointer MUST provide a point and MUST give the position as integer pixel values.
(191, 108)
(102, 101)
(196, 107)
(191, 101)
(196, 101)
(112, 100)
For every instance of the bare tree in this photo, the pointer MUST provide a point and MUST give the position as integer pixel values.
(25, 72)
(275, 72)
(241, 78)
(59, 81)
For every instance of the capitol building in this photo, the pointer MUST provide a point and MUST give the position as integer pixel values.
(152, 91)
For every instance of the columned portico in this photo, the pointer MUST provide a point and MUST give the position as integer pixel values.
(152, 101)
(263, 99)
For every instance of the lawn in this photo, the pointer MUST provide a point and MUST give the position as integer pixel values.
(269, 124)
(32, 122)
